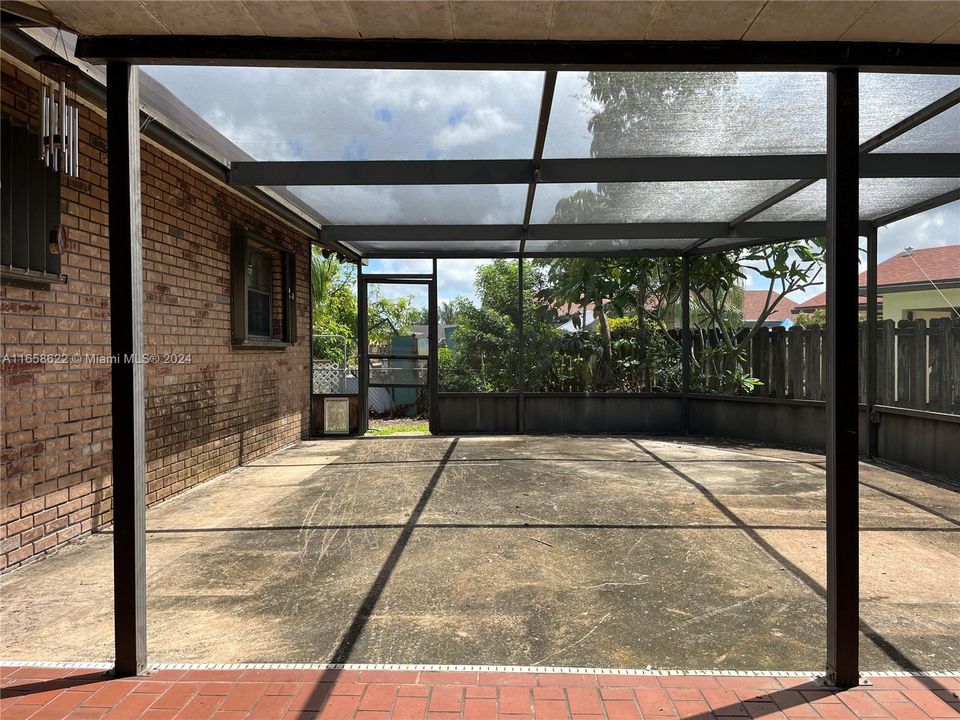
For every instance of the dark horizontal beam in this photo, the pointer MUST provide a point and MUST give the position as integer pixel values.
(429, 234)
(409, 279)
(587, 170)
(490, 254)
(516, 54)
(381, 172)
(922, 206)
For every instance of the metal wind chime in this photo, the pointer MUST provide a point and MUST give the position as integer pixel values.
(59, 117)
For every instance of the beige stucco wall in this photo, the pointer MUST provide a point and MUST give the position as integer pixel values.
(896, 305)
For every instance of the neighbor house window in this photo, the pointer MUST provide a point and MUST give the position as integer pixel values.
(263, 279)
(30, 208)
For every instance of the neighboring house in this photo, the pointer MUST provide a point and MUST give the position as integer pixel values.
(445, 336)
(754, 302)
(573, 317)
(911, 285)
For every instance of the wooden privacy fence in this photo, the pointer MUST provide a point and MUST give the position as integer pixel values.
(918, 364)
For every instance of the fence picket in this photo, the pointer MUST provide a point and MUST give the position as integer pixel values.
(887, 363)
(761, 361)
(795, 348)
(920, 370)
(778, 362)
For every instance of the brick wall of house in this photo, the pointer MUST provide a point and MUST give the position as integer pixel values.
(223, 407)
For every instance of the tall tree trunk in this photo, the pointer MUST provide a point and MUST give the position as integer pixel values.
(607, 359)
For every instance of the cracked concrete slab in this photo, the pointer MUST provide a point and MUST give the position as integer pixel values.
(575, 551)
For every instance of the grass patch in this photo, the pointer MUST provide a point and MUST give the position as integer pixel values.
(392, 427)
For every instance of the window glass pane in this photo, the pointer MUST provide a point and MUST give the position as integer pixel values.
(650, 202)
(878, 196)
(417, 204)
(259, 271)
(634, 114)
(358, 114)
(259, 321)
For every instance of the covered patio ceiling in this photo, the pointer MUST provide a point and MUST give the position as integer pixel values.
(751, 20)
(666, 163)
(696, 162)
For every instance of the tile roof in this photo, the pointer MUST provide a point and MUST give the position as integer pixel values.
(939, 264)
(754, 302)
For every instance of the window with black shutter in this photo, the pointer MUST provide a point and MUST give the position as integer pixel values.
(30, 208)
(263, 280)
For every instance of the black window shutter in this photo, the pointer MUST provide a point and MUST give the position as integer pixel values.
(238, 283)
(31, 202)
(6, 188)
(290, 288)
(52, 211)
(20, 187)
(36, 209)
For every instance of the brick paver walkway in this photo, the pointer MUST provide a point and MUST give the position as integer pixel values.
(50, 693)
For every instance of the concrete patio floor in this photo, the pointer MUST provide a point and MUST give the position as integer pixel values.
(550, 551)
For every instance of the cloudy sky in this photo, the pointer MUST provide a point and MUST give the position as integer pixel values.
(307, 114)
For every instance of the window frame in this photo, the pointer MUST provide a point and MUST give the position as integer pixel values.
(31, 197)
(266, 291)
(243, 242)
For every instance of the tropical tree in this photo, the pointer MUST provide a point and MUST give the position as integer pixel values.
(334, 308)
(633, 112)
(484, 353)
(716, 288)
(448, 312)
(388, 316)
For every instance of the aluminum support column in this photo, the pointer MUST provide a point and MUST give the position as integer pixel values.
(128, 452)
(842, 378)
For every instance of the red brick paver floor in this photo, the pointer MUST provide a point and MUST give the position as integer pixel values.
(37, 693)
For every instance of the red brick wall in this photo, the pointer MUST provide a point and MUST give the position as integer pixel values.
(205, 416)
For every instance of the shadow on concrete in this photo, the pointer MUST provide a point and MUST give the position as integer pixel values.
(884, 645)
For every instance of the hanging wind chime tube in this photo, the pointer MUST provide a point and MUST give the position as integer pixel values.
(59, 118)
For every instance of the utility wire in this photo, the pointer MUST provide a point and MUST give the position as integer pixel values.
(909, 252)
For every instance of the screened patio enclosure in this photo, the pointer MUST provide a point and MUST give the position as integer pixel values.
(835, 145)
(625, 164)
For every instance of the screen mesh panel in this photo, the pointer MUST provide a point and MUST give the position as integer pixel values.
(438, 246)
(938, 134)
(650, 202)
(633, 114)
(878, 197)
(606, 246)
(417, 204)
(886, 98)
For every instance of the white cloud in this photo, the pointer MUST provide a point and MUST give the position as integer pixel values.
(934, 228)
(485, 123)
